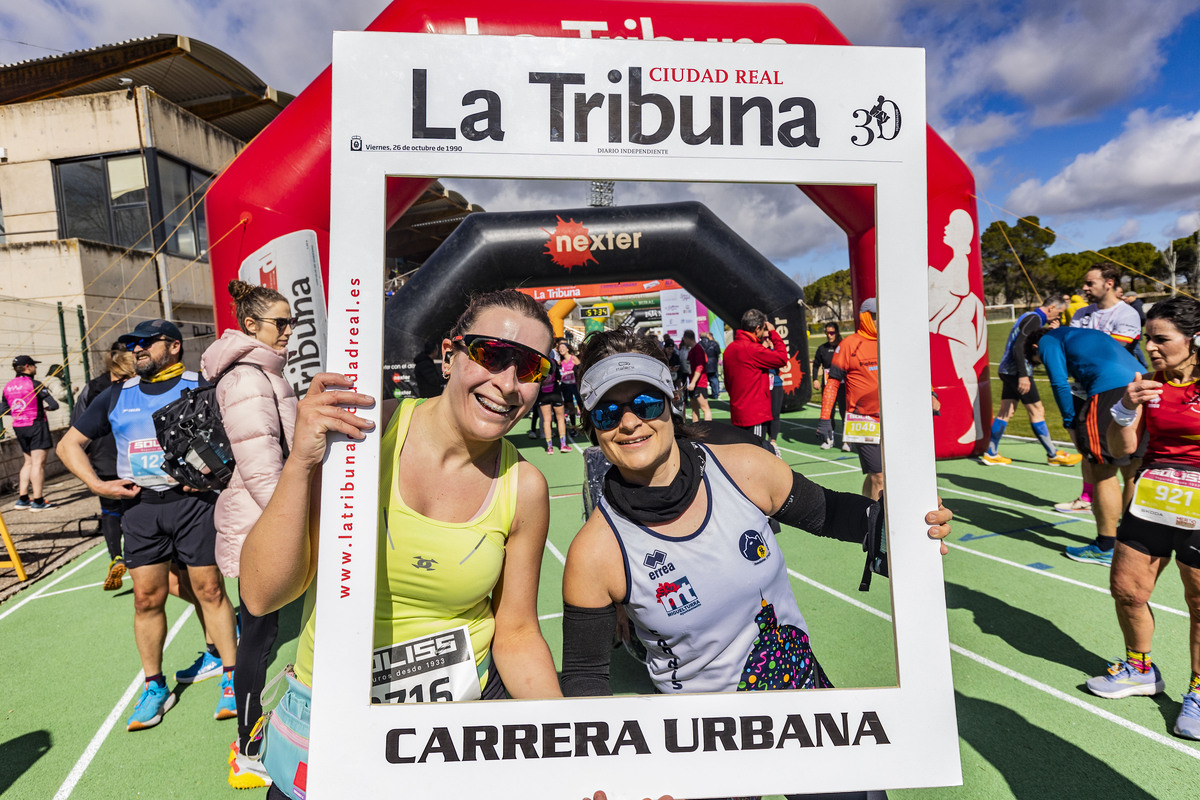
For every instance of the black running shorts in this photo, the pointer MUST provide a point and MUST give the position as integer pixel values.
(178, 530)
(34, 437)
(1010, 391)
(1160, 541)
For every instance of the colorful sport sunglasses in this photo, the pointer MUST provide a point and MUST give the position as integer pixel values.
(607, 416)
(495, 355)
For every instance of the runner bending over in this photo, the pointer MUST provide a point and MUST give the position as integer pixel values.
(1016, 376)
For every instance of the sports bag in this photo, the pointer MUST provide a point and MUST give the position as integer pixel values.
(196, 449)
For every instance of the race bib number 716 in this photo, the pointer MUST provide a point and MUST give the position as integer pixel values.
(428, 669)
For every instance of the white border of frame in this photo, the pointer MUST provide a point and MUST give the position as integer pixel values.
(373, 121)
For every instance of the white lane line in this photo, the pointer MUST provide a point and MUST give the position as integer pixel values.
(1101, 589)
(72, 589)
(556, 552)
(106, 727)
(545, 617)
(1025, 679)
(1022, 506)
(1075, 701)
(1060, 473)
(561, 496)
(40, 592)
(833, 472)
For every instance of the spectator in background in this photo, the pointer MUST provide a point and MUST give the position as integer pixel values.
(102, 453)
(697, 359)
(747, 362)
(1074, 304)
(856, 363)
(427, 373)
(822, 362)
(1135, 302)
(27, 402)
(675, 365)
(567, 384)
(713, 367)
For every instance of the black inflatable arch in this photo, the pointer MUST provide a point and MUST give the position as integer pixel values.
(682, 241)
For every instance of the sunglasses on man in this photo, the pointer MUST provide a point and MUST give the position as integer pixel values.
(645, 407)
(146, 342)
(496, 355)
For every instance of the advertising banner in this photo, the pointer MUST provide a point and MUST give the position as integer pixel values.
(508, 107)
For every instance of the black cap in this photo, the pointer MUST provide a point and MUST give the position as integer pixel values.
(151, 328)
(24, 361)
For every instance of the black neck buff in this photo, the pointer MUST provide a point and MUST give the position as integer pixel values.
(650, 505)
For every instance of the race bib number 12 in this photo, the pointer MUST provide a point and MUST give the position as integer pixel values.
(437, 668)
(861, 429)
(1168, 497)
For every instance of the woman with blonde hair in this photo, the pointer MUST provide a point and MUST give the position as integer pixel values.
(102, 453)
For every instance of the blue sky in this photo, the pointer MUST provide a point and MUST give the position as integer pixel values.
(1085, 113)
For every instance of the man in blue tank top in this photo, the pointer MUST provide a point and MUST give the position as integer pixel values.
(164, 524)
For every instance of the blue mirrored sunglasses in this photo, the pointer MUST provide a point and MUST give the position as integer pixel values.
(145, 343)
(607, 416)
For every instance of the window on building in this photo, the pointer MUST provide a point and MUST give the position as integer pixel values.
(182, 190)
(104, 199)
(107, 199)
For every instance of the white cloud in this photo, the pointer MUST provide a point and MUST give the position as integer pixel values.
(1153, 165)
(1185, 225)
(1128, 232)
(970, 137)
(287, 43)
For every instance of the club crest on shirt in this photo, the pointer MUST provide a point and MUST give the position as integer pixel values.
(753, 547)
(677, 597)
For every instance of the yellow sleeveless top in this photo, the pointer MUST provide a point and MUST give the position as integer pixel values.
(431, 576)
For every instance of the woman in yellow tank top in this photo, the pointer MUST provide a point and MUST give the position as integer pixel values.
(459, 500)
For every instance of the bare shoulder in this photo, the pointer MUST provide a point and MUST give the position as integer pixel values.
(531, 483)
(595, 572)
(745, 461)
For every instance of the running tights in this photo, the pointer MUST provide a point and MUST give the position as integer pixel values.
(253, 654)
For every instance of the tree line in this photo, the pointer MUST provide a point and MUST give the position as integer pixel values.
(1001, 245)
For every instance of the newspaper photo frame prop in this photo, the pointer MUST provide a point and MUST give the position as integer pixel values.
(518, 107)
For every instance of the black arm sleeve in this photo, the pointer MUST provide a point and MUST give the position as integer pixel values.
(587, 650)
(817, 510)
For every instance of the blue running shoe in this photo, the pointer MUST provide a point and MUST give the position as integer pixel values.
(227, 702)
(154, 702)
(1187, 724)
(205, 667)
(1122, 680)
(1091, 554)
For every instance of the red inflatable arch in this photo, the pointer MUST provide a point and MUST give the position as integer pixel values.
(279, 185)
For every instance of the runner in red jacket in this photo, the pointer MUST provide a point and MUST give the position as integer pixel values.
(746, 377)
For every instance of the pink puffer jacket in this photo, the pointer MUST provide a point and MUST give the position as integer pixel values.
(248, 400)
